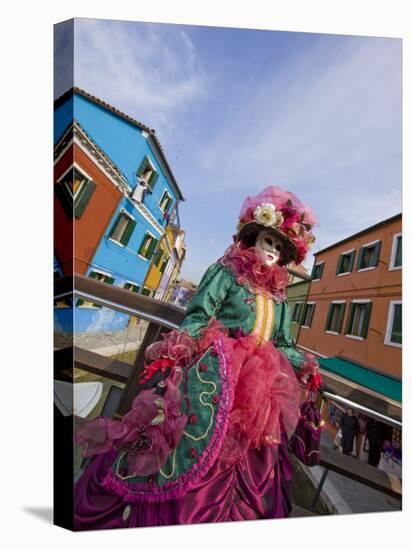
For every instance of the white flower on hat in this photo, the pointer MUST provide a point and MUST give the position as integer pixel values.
(266, 214)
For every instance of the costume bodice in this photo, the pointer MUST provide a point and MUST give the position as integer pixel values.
(220, 295)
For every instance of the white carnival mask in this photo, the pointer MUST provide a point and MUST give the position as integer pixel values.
(269, 246)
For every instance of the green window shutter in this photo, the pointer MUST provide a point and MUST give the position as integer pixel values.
(312, 314)
(350, 319)
(329, 316)
(339, 264)
(365, 326)
(143, 245)
(396, 333)
(136, 288)
(143, 166)
(322, 267)
(151, 249)
(398, 257)
(168, 204)
(146, 292)
(341, 316)
(305, 311)
(158, 257)
(109, 280)
(360, 258)
(84, 198)
(164, 264)
(153, 179)
(376, 254)
(113, 228)
(128, 232)
(352, 260)
(65, 199)
(313, 270)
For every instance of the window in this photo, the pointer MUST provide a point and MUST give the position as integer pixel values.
(297, 310)
(393, 335)
(147, 292)
(396, 254)
(308, 313)
(148, 246)
(318, 271)
(345, 262)
(164, 264)
(369, 256)
(158, 257)
(74, 192)
(123, 228)
(358, 320)
(165, 201)
(334, 319)
(132, 287)
(63, 303)
(147, 173)
(98, 277)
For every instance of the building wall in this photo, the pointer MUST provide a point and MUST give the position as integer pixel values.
(154, 274)
(125, 145)
(124, 262)
(90, 228)
(63, 226)
(380, 285)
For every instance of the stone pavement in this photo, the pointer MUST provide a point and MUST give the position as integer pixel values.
(347, 496)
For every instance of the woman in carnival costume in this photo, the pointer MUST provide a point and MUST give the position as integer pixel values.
(208, 437)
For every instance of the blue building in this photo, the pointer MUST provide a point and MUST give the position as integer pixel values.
(149, 195)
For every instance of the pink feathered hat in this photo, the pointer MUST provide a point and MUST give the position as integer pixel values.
(283, 212)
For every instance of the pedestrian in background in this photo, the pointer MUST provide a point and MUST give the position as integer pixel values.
(350, 428)
(375, 434)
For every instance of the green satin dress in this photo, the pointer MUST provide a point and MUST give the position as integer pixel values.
(236, 306)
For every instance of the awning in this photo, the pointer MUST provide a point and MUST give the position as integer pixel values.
(375, 381)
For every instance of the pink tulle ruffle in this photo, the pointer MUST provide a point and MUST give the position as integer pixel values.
(266, 400)
(250, 271)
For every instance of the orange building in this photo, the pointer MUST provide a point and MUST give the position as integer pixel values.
(354, 306)
(81, 168)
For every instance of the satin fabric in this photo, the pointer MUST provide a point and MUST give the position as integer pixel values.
(256, 487)
(220, 296)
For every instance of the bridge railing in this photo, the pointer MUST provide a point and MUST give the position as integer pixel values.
(113, 353)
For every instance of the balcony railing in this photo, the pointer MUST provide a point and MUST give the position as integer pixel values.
(84, 355)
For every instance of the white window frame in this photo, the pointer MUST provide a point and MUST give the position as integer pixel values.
(392, 266)
(165, 191)
(367, 245)
(363, 301)
(308, 304)
(344, 254)
(316, 264)
(389, 324)
(332, 331)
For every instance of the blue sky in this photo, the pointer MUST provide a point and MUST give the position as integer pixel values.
(236, 110)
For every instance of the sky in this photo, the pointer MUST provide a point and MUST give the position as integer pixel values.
(237, 110)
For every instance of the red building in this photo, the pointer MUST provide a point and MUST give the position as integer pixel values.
(83, 176)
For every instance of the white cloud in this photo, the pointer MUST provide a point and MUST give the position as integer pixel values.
(149, 71)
